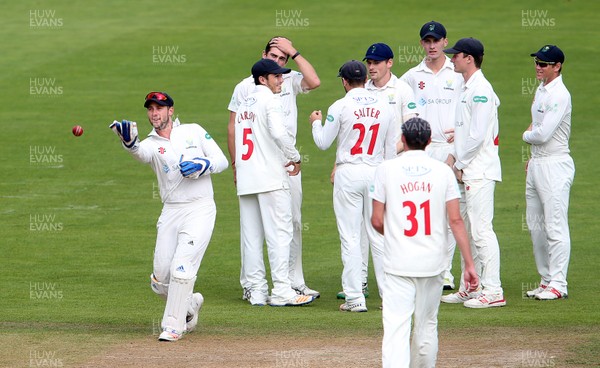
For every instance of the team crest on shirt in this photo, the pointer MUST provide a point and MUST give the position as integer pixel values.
(449, 83)
(190, 143)
(421, 85)
(162, 150)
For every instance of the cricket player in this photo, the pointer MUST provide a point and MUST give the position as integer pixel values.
(365, 130)
(183, 157)
(550, 173)
(387, 87)
(280, 50)
(382, 82)
(437, 88)
(414, 199)
(264, 151)
(476, 163)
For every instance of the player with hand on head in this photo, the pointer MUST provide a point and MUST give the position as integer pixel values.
(437, 88)
(414, 199)
(183, 157)
(550, 173)
(266, 158)
(281, 50)
(476, 163)
(365, 129)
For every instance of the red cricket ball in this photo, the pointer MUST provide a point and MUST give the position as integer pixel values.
(77, 130)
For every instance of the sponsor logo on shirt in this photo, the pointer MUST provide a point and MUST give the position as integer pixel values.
(422, 102)
(330, 118)
(207, 136)
(481, 99)
(364, 100)
(412, 105)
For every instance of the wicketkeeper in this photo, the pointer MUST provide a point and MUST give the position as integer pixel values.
(183, 156)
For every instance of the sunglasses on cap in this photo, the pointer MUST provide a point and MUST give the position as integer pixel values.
(542, 64)
(159, 96)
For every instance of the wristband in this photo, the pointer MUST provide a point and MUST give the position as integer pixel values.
(295, 55)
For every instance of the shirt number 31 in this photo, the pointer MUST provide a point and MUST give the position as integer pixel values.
(412, 218)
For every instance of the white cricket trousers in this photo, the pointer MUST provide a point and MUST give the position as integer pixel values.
(406, 298)
(547, 190)
(267, 216)
(353, 208)
(296, 270)
(440, 151)
(183, 233)
(479, 198)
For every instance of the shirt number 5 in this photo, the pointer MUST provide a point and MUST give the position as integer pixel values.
(246, 141)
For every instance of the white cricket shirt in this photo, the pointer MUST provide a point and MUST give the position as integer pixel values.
(163, 155)
(263, 145)
(400, 97)
(364, 126)
(436, 96)
(476, 130)
(292, 86)
(551, 120)
(414, 189)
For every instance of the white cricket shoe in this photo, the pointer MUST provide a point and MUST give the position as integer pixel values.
(305, 290)
(353, 307)
(194, 311)
(536, 291)
(169, 336)
(460, 296)
(551, 293)
(486, 301)
(292, 302)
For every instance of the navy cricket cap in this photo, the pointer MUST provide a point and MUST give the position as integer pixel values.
(267, 66)
(469, 46)
(353, 70)
(433, 29)
(160, 98)
(416, 131)
(379, 51)
(550, 53)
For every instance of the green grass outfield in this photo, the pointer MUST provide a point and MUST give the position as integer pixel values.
(78, 214)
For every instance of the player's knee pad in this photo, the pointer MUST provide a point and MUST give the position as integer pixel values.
(158, 287)
(182, 273)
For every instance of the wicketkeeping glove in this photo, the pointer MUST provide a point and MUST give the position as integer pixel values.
(127, 131)
(194, 168)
